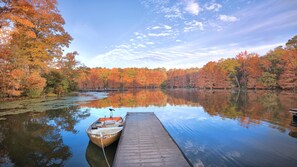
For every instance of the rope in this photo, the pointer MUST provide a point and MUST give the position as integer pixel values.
(101, 136)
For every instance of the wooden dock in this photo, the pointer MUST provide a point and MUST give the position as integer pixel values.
(145, 142)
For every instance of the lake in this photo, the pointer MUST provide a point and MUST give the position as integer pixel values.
(212, 128)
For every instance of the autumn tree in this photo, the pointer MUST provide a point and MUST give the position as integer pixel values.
(68, 66)
(212, 75)
(254, 71)
(82, 79)
(231, 67)
(288, 78)
(34, 85)
(115, 77)
(103, 74)
(34, 36)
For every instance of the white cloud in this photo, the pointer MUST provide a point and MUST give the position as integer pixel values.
(179, 56)
(213, 6)
(150, 43)
(193, 26)
(156, 27)
(139, 35)
(172, 12)
(123, 46)
(226, 18)
(158, 35)
(192, 7)
(167, 27)
(141, 46)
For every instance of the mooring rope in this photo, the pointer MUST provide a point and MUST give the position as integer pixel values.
(101, 136)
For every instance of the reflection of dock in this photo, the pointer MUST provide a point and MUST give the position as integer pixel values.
(145, 142)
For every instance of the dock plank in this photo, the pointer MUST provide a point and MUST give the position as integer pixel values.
(145, 142)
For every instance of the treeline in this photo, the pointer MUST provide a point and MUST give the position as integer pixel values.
(100, 78)
(31, 50)
(275, 70)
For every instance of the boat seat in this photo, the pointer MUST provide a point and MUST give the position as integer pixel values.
(109, 122)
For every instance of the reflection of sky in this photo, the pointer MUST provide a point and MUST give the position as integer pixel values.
(213, 140)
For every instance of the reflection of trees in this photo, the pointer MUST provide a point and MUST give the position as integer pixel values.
(34, 139)
(250, 107)
(183, 97)
(145, 98)
(138, 98)
(246, 107)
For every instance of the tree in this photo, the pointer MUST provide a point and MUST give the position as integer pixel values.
(292, 43)
(288, 78)
(56, 82)
(103, 76)
(231, 66)
(34, 85)
(38, 35)
(269, 80)
(68, 66)
(33, 37)
(114, 79)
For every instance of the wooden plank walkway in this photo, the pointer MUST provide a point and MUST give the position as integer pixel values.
(145, 142)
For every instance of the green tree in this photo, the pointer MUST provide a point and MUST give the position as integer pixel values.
(56, 83)
(231, 66)
(269, 80)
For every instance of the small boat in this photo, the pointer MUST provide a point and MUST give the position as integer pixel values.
(105, 131)
(107, 122)
(104, 137)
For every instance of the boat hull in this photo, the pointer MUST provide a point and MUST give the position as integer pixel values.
(105, 131)
(106, 141)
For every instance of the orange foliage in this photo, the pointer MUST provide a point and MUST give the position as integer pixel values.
(35, 81)
(288, 78)
(213, 76)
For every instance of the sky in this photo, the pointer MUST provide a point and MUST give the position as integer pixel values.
(174, 33)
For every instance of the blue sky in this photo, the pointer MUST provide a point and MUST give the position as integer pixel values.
(174, 34)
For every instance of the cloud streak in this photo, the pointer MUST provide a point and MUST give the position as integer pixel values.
(226, 18)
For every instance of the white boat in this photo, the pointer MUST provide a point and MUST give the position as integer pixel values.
(105, 131)
(104, 137)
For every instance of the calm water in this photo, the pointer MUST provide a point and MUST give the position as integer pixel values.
(213, 128)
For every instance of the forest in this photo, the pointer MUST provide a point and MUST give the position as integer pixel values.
(33, 62)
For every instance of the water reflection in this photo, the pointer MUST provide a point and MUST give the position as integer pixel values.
(248, 107)
(213, 128)
(34, 139)
(95, 156)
